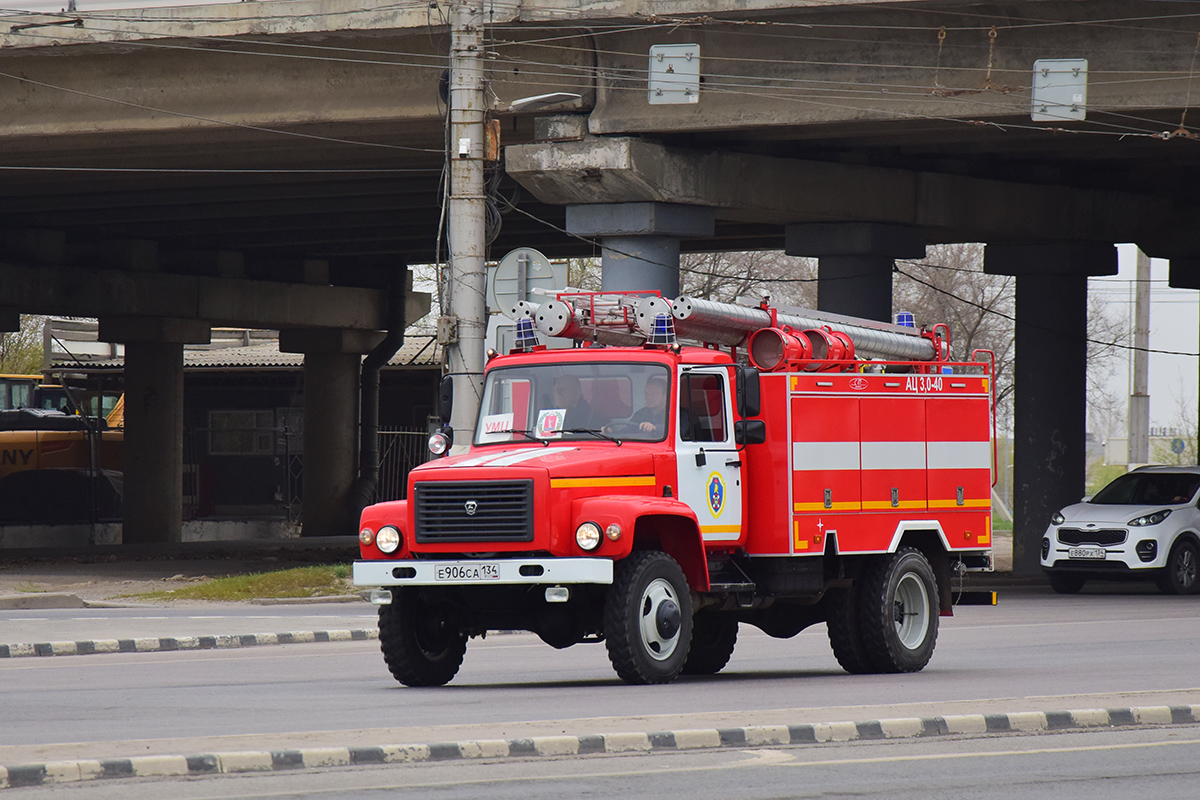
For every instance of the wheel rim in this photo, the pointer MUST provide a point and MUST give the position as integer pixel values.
(1185, 568)
(659, 619)
(910, 611)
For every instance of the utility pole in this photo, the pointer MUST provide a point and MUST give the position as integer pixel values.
(462, 331)
(1139, 400)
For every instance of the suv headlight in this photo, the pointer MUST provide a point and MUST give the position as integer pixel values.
(1057, 518)
(1151, 519)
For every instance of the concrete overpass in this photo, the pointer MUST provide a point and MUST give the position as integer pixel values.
(276, 163)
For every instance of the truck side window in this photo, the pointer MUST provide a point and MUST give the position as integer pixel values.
(702, 408)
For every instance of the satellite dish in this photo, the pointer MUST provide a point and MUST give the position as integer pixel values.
(518, 274)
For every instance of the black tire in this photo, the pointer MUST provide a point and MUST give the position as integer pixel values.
(898, 612)
(714, 636)
(845, 636)
(1180, 576)
(1066, 584)
(421, 640)
(648, 618)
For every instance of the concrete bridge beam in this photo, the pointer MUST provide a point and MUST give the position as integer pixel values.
(744, 187)
(1050, 373)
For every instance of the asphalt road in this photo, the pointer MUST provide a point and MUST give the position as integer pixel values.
(1036, 651)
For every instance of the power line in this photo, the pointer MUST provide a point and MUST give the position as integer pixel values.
(1012, 318)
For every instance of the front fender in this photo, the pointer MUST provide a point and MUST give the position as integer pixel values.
(648, 523)
(394, 512)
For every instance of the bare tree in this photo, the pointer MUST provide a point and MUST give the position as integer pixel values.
(1109, 339)
(21, 350)
(1183, 425)
(724, 277)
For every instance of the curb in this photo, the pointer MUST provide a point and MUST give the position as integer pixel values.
(38, 601)
(550, 746)
(152, 645)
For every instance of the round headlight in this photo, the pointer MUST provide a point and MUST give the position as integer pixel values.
(588, 535)
(366, 536)
(439, 443)
(1057, 518)
(388, 539)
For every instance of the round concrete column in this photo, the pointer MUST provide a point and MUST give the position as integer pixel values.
(153, 458)
(1050, 376)
(640, 241)
(860, 286)
(855, 261)
(153, 445)
(330, 439)
(641, 263)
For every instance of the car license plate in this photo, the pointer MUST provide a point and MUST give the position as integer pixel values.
(1086, 552)
(468, 572)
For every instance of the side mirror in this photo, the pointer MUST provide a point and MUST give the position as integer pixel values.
(446, 398)
(749, 431)
(748, 394)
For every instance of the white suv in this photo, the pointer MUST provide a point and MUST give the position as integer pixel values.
(1144, 524)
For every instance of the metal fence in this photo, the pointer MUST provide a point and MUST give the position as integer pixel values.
(399, 451)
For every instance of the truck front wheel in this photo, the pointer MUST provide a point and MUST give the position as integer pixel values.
(898, 607)
(648, 618)
(421, 640)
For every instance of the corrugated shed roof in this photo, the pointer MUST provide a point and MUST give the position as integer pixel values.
(256, 350)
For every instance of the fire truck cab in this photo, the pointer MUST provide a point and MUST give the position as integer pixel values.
(656, 497)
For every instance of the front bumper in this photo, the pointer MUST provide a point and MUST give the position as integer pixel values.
(1118, 558)
(480, 572)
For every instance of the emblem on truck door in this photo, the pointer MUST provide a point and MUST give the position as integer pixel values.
(470, 507)
(716, 494)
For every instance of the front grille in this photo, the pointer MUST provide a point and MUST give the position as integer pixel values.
(1105, 538)
(503, 511)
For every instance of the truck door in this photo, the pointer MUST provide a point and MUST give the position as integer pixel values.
(710, 469)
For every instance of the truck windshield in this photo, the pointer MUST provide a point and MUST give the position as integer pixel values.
(574, 401)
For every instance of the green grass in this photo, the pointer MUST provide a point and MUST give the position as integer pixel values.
(1001, 524)
(322, 581)
(30, 588)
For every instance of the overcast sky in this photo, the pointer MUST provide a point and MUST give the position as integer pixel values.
(1173, 326)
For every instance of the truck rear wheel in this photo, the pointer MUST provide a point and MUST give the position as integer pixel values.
(648, 618)
(421, 640)
(898, 612)
(845, 636)
(713, 638)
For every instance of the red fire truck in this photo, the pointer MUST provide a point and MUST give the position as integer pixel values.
(655, 496)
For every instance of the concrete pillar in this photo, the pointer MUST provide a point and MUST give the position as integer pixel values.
(855, 261)
(640, 241)
(1050, 376)
(332, 359)
(153, 454)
